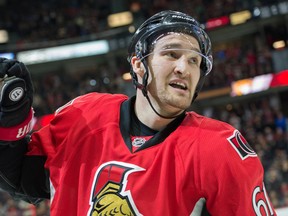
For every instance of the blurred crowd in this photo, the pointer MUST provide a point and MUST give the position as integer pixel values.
(262, 121)
(239, 60)
(265, 126)
(41, 21)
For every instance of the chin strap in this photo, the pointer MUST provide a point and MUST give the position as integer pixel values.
(199, 86)
(166, 117)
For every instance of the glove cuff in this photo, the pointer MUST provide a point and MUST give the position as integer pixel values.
(19, 131)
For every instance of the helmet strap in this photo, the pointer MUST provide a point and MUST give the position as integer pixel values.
(198, 87)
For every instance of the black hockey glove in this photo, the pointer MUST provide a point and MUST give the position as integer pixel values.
(16, 92)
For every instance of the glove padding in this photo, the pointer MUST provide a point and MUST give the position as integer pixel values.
(16, 92)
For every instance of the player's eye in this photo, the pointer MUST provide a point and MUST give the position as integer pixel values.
(171, 54)
(195, 58)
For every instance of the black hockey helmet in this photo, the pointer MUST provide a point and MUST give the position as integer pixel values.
(165, 22)
(170, 21)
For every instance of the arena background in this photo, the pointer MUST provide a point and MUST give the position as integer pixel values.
(74, 47)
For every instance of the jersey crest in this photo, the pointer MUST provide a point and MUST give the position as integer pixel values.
(241, 146)
(109, 196)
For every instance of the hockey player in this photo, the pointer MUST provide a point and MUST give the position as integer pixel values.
(106, 154)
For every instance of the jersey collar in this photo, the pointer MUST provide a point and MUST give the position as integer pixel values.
(127, 107)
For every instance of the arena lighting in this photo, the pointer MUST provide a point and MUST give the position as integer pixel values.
(256, 12)
(63, 52)
(131, 29)
(259, 83)
(280, 79)
(7, 55)
(217, 22)
(283, 7)
(240, 17)
(126, 76)
(4, 36)
(251, 85)
(272, 10)
(279, 44)
(120, 19)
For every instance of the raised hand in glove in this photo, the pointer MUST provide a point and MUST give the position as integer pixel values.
(16, 93)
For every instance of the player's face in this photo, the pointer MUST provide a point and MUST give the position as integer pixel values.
(174, 71)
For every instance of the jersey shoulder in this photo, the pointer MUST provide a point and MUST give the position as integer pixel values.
(219, 138)
(92, 101)
(207, 128)
(76, 119)
(207, 124)
(89, 111)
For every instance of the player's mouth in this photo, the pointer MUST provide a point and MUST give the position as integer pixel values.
(178, 85)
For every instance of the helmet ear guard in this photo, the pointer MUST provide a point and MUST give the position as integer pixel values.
(138, 85)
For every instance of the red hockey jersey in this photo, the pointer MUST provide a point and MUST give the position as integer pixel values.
(195, 163)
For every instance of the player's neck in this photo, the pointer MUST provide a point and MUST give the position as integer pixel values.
(147, 116)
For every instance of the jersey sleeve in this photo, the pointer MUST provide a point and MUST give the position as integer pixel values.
(22, 162)
(232, 178)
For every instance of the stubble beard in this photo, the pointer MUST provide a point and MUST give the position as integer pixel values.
(174, 101)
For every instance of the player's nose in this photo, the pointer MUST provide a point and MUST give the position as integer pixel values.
(182, 66)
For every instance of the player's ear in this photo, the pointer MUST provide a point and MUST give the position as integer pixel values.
(137, 66)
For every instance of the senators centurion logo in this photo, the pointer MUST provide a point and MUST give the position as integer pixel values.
(241, 146)
(109, 196)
